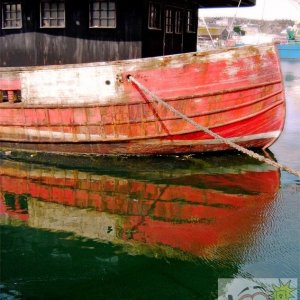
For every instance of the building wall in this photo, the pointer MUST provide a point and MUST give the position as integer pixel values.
(77, 43)
(155, 42)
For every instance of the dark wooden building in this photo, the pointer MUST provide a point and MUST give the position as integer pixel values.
(41, 32)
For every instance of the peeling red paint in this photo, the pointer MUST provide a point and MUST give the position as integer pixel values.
(238, 93)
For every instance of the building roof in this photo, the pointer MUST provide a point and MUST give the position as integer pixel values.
(213, 31)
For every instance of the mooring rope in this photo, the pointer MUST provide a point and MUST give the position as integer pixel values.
(211, 133)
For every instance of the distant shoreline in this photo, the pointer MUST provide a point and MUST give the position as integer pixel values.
(264, 26)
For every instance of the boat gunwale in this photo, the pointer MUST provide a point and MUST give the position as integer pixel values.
(126, 62)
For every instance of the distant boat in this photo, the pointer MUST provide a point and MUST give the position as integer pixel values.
(289, 48)
(166, 211)
(93, 108)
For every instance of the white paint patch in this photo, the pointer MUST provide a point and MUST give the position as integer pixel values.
(69, 85)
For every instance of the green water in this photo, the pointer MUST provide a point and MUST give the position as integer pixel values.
(51, 249)
(44, 265)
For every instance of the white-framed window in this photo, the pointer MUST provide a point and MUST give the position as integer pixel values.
(154, 15)
(11, 15)
(53, 14)
(103, 14)
(169, 20)
(191, 21)
(178, 21)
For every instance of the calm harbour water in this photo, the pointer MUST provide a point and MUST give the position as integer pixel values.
(151, 228)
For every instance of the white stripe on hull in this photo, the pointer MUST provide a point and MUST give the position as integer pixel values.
(239, 139)
(62, 137)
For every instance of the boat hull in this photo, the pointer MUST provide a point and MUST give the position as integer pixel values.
(93, 108)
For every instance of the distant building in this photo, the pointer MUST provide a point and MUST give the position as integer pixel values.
(251, 28)
(214, 32)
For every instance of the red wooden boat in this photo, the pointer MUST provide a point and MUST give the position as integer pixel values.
(93, 108)
(199, 212)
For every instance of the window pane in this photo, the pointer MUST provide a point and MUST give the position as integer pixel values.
(46, 15)
(45, 23)
(111, 23)
(112, 6)
(61, 23)
(53, 14)
(103, 14)
(96, 14)
(103, 6)
(53, 23)
(111, 14)
(96, 5)
(52, 6)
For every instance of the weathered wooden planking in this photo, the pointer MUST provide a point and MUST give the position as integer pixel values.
(237, 92)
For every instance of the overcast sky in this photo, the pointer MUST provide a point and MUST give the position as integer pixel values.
(264, 10)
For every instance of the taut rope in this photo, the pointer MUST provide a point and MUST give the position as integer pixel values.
(211, 133)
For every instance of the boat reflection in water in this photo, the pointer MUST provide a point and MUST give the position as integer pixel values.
(193, 207)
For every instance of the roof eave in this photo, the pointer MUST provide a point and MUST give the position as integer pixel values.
(225, 3)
